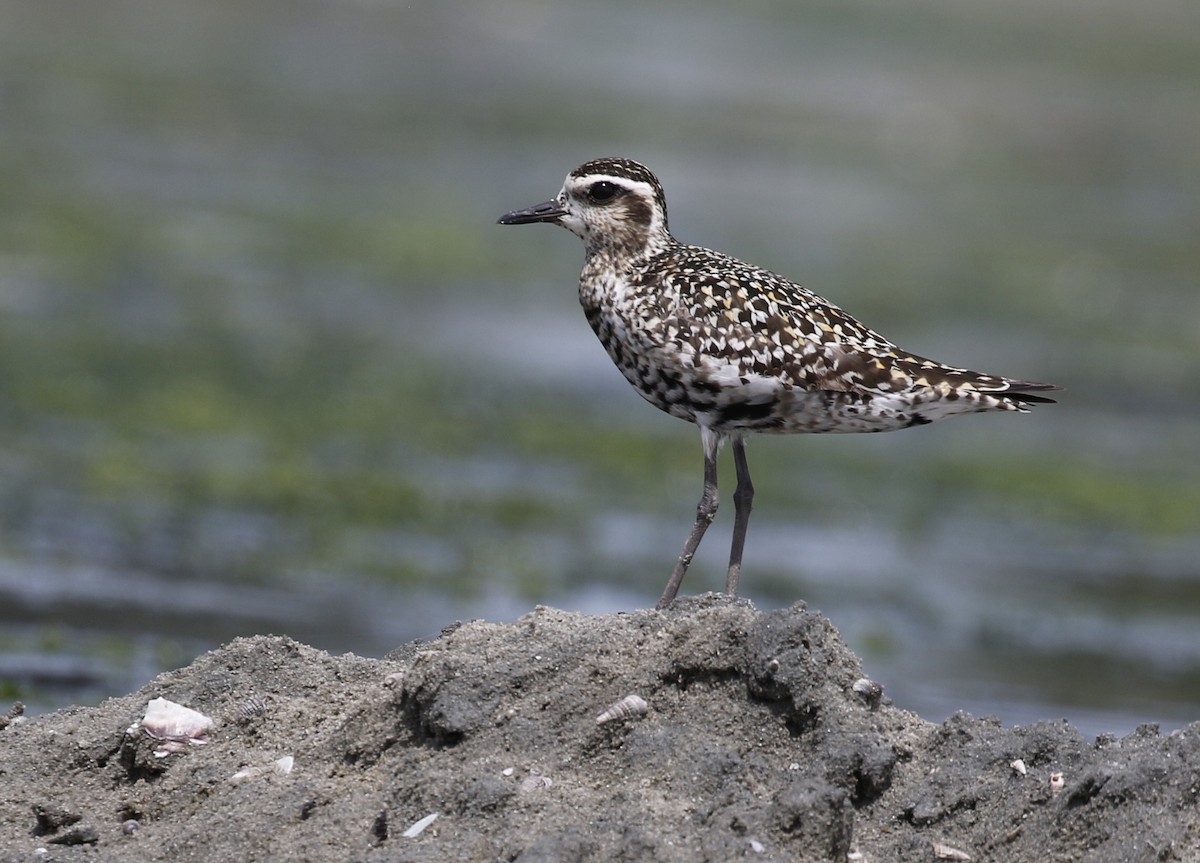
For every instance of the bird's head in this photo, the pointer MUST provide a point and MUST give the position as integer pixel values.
(611, 204)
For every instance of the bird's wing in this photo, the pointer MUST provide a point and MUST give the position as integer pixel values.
(758, 323)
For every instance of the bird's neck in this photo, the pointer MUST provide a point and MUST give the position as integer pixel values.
(619, 252)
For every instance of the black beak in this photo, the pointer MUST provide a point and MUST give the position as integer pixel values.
(550, 211)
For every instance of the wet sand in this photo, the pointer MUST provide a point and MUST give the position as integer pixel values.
(759, 739)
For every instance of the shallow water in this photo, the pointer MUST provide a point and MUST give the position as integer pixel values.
(269, 365)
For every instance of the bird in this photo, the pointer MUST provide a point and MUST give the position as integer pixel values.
(737, 349)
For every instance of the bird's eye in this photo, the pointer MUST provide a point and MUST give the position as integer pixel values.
(602, 192)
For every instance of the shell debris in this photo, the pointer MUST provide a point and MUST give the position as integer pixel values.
(280, 767)
(535, 781)
(418, 827)
(175, 726)
(869, 690)
(1057, 781)
(253, 707)
(16, 713)
(629, 707)
(942, 851)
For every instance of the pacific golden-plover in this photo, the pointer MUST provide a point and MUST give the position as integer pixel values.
(736, 349)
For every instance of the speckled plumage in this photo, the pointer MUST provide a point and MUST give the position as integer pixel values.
(735, 348)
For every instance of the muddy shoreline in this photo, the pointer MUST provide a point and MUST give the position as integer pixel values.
(759, 738)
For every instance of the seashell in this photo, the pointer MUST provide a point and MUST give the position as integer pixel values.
(1019, 767)
(176, 726)
(943, 851)
(173, 747)
(535, 781)
(418, 827)
(166, 720)
(393, 680)
(254, 706)
(131, 826)
(1056, 783)
(280, 767)
(629, 707)
(757, 847)
(870, 691)
(15, 714)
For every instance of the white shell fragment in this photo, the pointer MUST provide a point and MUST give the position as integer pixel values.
(535, 781)
(418, 827)
(176, 726)
(869, 690)
(943, 851)
(166, 720)
(280, 767)
(1019, 767)
(1056, 783)
(629, 707)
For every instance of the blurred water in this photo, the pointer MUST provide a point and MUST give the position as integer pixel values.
(269, 365)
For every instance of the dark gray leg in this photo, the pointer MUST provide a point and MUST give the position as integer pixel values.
(743, 499)
(705, 510)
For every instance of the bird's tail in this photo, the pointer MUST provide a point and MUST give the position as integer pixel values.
(1024, 392)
